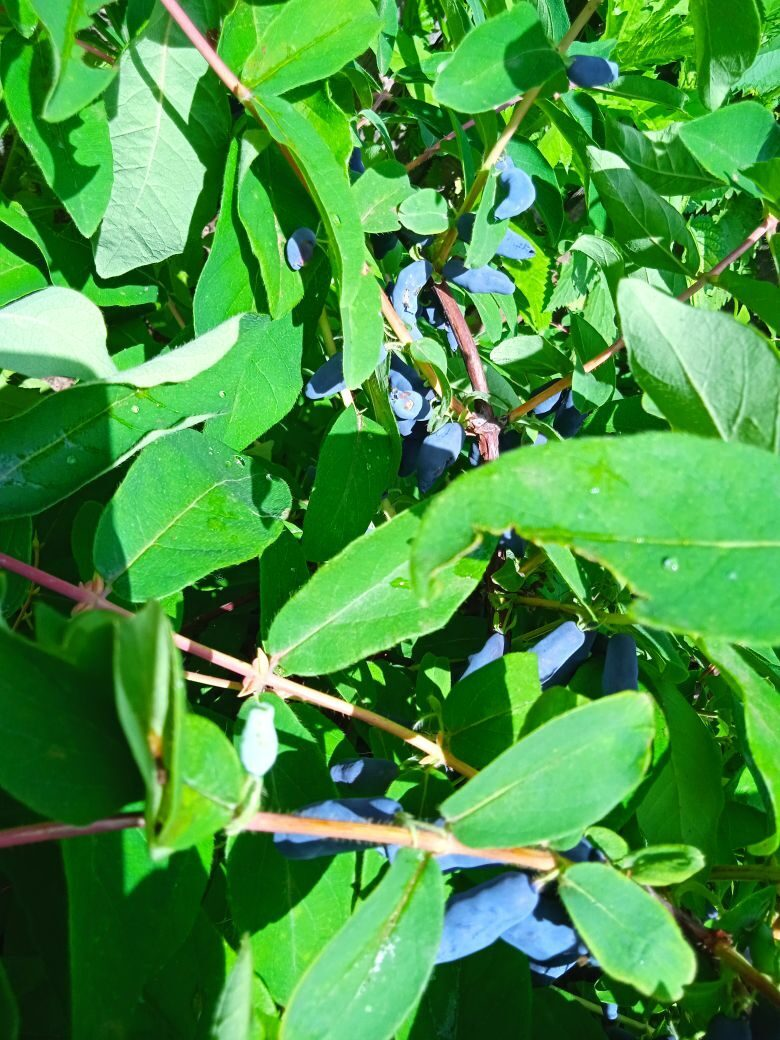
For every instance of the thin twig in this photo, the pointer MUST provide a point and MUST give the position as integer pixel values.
(766, 227)
(438, 842)
(34, 833)
(281, 685)
(109, 59)
(488, 433)
(717, 944)
(546, 604)
(212, 680)
(202, 45)
(745, 872)
(289, 689)
(434, 148)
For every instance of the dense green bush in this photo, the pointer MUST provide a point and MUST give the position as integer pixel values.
(311, 384)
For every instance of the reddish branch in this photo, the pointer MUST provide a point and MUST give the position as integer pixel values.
(487, 431)
(433, 840)
(249, 672)
(766, 227)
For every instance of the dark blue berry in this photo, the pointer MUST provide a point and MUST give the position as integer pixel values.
(586, 70)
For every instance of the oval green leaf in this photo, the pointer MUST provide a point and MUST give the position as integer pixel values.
(527, 795)
(630, 933)
(373, 972)
(629, 503)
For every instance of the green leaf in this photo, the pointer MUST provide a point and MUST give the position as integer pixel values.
(355, 466)
(9, 1011)
(379, 192)
(21, 268)
(424, 212)
(683, 800)
(309, 41)
(626, 503)
(374, 970)
(361, 320)
(728, 141)
(268, 384)
(634, 938)
(68, 254)
(556, 1010)
(662, 159)
(150, 700)
(524, 797)
(725, 45)
(497, 977)
(663, 864)
(22, 17)
(75, 155)
(233, 1015)
(203, 508)
(76, 83)
(69, 438)
(759, 296)
(230, 282)
(166, 107)
(484, 713)
(760, 722)
(283, 570)
(65, 755)
(646, 225)
(146, 910)
(205, 788)
(283, 286)
(55, 332)
(16, 540)
(503, 57)
(486, 234)
(362, 602)
(706, 372)
(60, 332)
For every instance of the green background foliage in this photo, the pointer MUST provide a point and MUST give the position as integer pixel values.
(239, 541)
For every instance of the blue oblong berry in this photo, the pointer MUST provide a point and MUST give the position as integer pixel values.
(403, 377)
(356, 161)
(546, 935)
(406, 404)
(586, 70)
(478, 279)
(300, 247)
(437, 452)
(327, 380)
(621, 665)
(343, 810)
(550, 404)
(510, 539)
(560, 652)
(514, 247)
(434, 315)
(491, 651)
(519, 191)
(408, 285)
(568, 419)
(365, 775)
(478, 917)
(410, 447)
